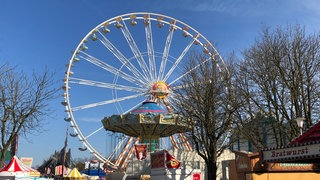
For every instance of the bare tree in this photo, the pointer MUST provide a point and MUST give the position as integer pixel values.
(205, 98)
(279, 79)
(23, 103)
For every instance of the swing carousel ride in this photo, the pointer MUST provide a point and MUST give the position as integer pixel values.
(124, 73)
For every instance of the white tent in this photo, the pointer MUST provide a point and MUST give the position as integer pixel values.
(16, 168)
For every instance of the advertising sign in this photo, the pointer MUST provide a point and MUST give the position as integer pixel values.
(27, 161)
(290, 167)
(141, 151)
(292, 153)
(196, 176)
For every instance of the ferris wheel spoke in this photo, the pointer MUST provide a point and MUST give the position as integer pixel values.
(166, 52)
(152, 62)
(104, 85)
(111, 69)
(106, 102)
(116, 149)
(94, 132)
(173, 88)
(84, 140)
(134, 48)
(192, 69)
(120, 57)
(95, 152)
(178, 60)
(170, 102)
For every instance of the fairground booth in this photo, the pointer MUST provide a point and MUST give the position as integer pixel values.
(299, 160)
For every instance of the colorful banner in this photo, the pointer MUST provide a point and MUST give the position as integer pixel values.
(163, 159)
(141, 151)
(171, 162)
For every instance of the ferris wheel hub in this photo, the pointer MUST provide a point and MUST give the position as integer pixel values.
(160, 89)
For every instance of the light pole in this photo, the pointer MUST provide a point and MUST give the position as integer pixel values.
(300, 121)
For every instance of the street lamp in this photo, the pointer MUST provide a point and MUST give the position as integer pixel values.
(300, 121)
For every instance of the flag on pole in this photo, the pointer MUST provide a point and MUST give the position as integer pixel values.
(171, 162)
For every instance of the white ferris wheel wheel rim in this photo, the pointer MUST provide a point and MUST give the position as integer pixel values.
(188, 31)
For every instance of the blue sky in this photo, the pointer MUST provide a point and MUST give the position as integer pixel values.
(35, 34)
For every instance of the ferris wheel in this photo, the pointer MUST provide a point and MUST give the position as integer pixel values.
(122, 62)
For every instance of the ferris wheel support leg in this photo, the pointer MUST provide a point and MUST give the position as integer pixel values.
(186, 144)
(124, 151)
(173, 141)
(167, 105)
(124, 164)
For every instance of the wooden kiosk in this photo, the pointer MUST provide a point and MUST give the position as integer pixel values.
(299, 160)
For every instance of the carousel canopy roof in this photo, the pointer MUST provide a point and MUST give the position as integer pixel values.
(149, 107)
(148, 120)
